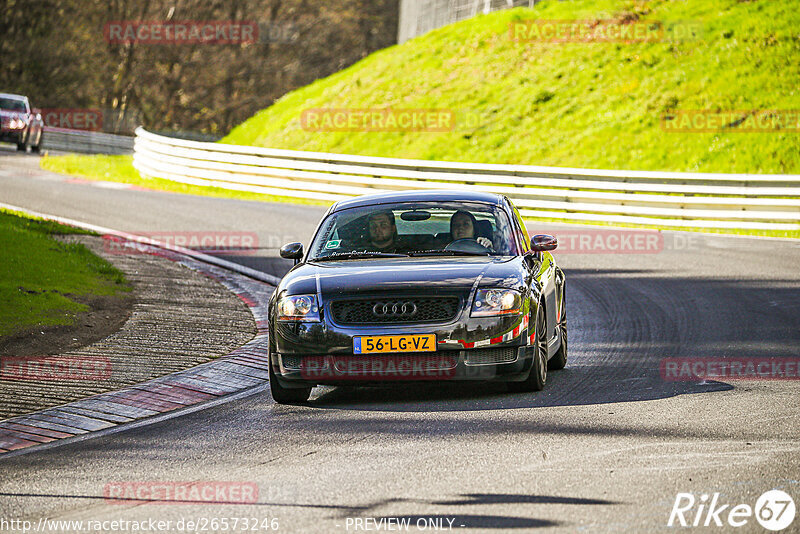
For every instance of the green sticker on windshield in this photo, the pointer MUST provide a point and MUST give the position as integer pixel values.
(333, 244)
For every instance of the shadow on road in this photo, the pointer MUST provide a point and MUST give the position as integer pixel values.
(623, 326)
(491, 396)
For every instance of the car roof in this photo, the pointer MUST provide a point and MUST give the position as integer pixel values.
(9, 95)
(419, 196)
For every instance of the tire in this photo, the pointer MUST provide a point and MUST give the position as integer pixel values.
(22, 146)
(37, 148)
(538, 375)
(559, 359)
(283, 395)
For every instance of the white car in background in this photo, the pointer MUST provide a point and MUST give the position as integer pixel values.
(19, 123)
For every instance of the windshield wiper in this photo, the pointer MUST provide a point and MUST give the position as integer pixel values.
(359, 255)
(446, 253)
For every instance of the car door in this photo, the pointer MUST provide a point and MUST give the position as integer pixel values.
(547, 280)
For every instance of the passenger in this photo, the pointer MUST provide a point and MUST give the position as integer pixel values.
(463, 225)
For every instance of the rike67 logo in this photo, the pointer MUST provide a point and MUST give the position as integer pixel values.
(774, 510)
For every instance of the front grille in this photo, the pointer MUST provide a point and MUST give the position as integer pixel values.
(395, 310)
(490, 356)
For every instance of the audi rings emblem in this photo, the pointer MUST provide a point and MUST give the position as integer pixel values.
(394, 309)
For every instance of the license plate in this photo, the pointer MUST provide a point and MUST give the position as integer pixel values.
(403, 343)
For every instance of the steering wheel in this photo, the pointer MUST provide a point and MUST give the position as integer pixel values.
(467, 245)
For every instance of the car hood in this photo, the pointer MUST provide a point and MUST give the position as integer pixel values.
(5, 113)
(336, 278)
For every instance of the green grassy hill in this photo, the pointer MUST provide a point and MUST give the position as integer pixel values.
(594, 105)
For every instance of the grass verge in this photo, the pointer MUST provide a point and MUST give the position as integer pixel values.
(41, 277)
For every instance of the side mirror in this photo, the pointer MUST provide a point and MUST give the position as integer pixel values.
(292, 251)
(542, 242)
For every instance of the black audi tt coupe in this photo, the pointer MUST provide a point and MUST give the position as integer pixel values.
(418, 286)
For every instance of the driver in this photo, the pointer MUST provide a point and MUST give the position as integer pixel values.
(383, 231)
(463, 225)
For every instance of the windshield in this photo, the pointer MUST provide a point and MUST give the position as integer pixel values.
(414, 229)
(12, 104)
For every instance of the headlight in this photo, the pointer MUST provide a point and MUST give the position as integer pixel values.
(16, 124)
(298, 308)
(496, 302)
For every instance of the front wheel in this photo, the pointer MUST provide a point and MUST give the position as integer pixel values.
(37, 148)
(538, 375)
(283, 395)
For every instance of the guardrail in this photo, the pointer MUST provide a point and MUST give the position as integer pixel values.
(86, 142)
(673, 199)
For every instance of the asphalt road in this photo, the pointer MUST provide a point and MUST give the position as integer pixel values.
(606, 447)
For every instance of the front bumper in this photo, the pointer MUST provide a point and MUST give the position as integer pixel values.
(509, 363)
(12, 136)
(467, 348)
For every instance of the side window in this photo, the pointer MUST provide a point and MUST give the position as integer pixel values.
(522, 231)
